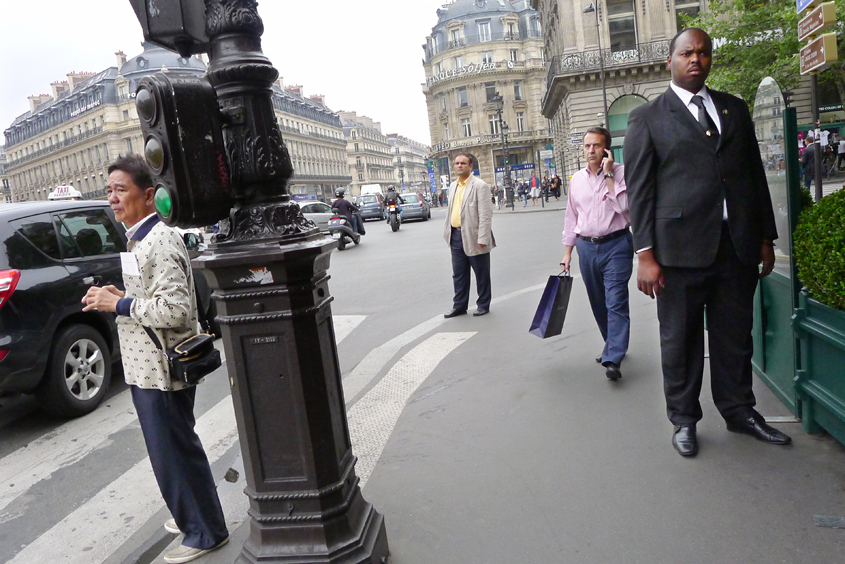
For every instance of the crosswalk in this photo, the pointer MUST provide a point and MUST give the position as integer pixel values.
(100, 523)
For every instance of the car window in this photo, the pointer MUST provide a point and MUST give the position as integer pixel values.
(66, 240)
(33, 244)
(322, 208)
(93, 232)
(308, 209)
(367, 199)
(411, 198)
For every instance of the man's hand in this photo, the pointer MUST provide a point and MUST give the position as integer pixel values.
(767, 258)
(480, 246)
(607, 161)
(567, 258)
(649, 275)
(102, 299)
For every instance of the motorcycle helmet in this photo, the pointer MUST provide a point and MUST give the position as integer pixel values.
(391, 189)
(339, 192)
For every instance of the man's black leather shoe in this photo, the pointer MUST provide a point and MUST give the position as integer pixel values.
(684, 440)
(454, 313)
(481, 311)
(755, 426)
(613, 371)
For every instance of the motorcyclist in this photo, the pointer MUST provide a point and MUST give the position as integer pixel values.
(349, 210)
(393, 197)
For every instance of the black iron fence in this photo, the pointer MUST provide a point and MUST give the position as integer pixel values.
(577, 63)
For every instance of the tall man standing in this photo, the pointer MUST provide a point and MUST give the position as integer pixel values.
(596, 224)
(703, 222)
(469, 233)
(160, 298)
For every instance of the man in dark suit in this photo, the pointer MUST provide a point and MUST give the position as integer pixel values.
(703, 221)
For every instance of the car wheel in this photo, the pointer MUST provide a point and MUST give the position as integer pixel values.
(78, 372)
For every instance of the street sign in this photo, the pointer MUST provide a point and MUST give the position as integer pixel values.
(819, 53)
(801, 5)
(576, 134)
(817, 21)
(547, 154)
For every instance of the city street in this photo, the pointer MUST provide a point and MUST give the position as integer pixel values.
(508, 449)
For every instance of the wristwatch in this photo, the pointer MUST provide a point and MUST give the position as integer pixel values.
(608, 174)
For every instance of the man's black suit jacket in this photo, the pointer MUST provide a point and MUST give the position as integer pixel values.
(678, 178)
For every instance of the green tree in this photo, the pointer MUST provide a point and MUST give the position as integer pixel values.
(754, 39)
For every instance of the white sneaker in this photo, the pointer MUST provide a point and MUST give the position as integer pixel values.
(171, 527)
(187, 553)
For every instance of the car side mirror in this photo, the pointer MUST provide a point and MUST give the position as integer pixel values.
(191, 241)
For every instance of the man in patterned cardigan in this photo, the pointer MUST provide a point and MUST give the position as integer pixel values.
(160, 296)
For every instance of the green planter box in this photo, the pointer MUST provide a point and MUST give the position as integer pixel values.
(820, 386)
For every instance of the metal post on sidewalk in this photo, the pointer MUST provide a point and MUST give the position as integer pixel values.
(268, 269)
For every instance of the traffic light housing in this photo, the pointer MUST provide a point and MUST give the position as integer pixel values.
(183, 145)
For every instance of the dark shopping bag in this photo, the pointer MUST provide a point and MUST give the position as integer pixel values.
(548, 321)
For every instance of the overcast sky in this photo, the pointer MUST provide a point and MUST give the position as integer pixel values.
(364, 56)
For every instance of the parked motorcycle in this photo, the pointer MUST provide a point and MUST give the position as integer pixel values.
(393, 217)
(342, 230)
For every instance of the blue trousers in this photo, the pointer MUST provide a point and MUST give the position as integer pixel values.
(180, 465)
(606, 269)
(461, 265)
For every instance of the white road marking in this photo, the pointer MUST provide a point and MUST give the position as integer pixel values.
(62, 447)
(345, 324)
(373, 417)
(96, 529)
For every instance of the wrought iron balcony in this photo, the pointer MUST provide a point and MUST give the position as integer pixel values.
(431, 51)
(585, 61)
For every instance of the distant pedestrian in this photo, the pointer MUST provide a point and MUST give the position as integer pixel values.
(596, 224)
(469, 233)
(556, 186)
(160, 299)
(703, 223)
(840, 151)
(534, 187)
(808, 160)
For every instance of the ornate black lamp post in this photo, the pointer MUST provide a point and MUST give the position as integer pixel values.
(587, 10)
(268, 267)
(503, 131)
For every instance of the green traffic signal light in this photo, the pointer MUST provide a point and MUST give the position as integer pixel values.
(163, 203)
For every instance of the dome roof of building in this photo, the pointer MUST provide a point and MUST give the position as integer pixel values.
(155, 57)
(462, 8)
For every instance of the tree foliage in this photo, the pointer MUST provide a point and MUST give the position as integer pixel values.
(754, 39)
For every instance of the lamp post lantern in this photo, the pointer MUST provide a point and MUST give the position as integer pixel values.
(587, 10)
(268, 269)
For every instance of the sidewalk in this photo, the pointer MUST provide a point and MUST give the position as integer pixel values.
(532, 456)
(551, 205)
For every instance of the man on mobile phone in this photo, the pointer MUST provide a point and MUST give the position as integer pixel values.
(596, 224)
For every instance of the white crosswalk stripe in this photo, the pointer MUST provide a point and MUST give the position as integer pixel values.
(100, 525)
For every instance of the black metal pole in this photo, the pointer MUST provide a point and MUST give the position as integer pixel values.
(817, 142)
(268, 268)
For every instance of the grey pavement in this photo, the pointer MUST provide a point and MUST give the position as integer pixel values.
(519, 450)
(551, 205)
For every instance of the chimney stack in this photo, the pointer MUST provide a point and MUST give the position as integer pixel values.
(121, 59)
(58, 87)
(295, 88)
(319, 98)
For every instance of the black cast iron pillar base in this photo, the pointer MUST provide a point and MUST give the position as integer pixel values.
(274, 308)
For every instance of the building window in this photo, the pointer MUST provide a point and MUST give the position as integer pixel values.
(487, 57)
(356, 147)
(514, 55)
(511, 33)
(462, 97)
(455, 38)
(467, 129)
(436, 68)
(484, 31)
(621, 25)
(494, 123)
(128, 150)
(446, 131)
(520, 121)
(517, 90)
(442, 103)
(459, 62)
(490, 90)
(358, 161)
(360, 176)
(685, 8)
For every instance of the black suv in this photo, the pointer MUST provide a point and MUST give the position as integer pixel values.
(50, 253)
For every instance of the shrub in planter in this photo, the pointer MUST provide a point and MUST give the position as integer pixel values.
(820, 249)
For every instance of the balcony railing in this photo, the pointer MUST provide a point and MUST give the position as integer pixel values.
(431, 51)
(56, 146)
(577, 63)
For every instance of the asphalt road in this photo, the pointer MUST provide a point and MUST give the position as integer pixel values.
(507, 448)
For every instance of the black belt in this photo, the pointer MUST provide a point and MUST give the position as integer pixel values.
(604, 238)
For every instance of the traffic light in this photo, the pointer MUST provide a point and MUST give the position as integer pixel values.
(183, 144)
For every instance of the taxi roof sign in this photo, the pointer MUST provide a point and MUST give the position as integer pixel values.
(65, 193)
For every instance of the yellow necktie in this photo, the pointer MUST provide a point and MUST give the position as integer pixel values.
(456, 204)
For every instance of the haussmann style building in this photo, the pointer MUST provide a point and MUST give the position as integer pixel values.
(478, 51)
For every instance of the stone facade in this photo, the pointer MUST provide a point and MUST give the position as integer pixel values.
(409, 163)
(5, 188)
(69, 137)
(368, 152)
(477, 50)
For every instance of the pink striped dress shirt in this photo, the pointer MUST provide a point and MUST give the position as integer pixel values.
(591, 210)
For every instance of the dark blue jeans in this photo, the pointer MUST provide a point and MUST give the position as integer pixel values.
(461, 265)
(606, 269)
(180, 464)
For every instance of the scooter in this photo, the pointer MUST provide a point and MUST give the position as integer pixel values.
(342, 231)
(393, 217)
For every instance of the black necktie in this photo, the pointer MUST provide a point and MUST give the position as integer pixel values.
(704, 118)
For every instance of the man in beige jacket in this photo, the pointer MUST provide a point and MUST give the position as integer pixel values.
(469, 233)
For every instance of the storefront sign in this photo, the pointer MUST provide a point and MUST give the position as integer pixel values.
(526, 166)
(466, 69)
(90, 106)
